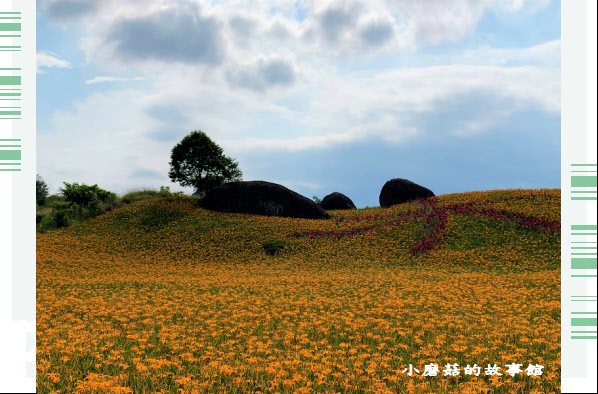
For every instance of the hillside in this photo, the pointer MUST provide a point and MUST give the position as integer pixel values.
(163, 295)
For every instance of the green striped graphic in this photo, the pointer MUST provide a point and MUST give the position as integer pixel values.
(10, 80)
(584, 227)
(583, 264)
(10, 27)
(583, 181)
(584, 321)
(10, 155)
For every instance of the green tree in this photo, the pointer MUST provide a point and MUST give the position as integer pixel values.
(85, 195)
(197, 161)
(41, 190)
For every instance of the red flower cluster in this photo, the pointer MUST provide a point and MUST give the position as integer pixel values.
(434, 224)
(435, 219)
(529, 222)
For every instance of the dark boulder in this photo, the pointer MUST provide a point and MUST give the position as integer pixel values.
(337, 201)
(261, 198)
(398, 191)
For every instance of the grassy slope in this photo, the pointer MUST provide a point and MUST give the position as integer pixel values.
(164, 280)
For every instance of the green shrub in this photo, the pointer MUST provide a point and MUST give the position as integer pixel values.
(52, 221)
(61, 219)
(85, 195)
(55, 198)
(146, 194)
(46, 223)
(273, 247)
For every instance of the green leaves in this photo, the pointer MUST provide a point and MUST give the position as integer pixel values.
(85, 195)
(41, 190)
(199, 162)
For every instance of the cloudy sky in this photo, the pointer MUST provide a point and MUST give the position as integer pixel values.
(319, 96)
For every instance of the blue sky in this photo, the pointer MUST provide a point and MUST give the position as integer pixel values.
(319, 96)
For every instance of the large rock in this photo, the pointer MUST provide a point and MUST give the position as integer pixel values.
(261, 198)
(398, 191)
(337, 201)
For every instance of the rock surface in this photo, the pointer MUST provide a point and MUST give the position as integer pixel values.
(261, 198)
(398, 191)
(337, 201)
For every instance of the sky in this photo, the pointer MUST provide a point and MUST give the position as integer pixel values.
(319, 96)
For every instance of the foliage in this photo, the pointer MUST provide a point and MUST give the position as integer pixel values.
(77, 204)
(199, 162)
(146, 194)
(197, 306)
(41, 190)
(317, 200)
(85, 195)
(61, 210)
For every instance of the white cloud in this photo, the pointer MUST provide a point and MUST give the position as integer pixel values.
(546, 54)
(151, 32)
(529, 6)
(49, 59)
(273, 83)
(264, 73)
(100, 79)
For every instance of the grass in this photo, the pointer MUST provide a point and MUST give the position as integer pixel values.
(163, 296)
(57, 212)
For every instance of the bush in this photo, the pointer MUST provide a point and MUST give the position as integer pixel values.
(85, 195)
(77, 203)
(60, 219)
(273, 247)
(146, 194)
(54, 199)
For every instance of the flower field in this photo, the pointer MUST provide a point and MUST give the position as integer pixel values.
(162, 296)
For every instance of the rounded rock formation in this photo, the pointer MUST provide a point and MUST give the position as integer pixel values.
(261, 198)
(337, 201)
(398, 191)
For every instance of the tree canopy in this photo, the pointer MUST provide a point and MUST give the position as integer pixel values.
(41, 190)
(199, 162)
